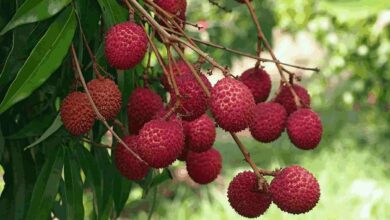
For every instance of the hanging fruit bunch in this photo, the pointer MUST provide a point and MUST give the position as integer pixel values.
(184, 128)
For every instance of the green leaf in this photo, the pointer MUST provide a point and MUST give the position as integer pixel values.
(74, 188)
(46, 186)
(93, 175)
(2, 144)
(57, 123)
(161, 177)
(113, 13)
(33, 11)
(44, 59)
(33, 128)
(121, 190)
(19, 182)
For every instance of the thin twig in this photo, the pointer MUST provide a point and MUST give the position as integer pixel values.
(98, 114)
(297, 100)
(241, 53)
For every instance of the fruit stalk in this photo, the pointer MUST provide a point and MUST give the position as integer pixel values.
(269, 48)
(98, 114)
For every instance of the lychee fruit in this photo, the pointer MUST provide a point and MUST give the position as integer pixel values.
(194, 101)
(295, 190)
(179, 68)
(175, 7)
(161, 114)
(304, 128)
(269, 121)
(127, 164)
(184, 154)
(204, 167)
(286, 98)
(200, 134)
(142, 105)
(77, 114)
(259, 82)
(126, 45)
(107, 97)
(161, 142)
(245, 197)
(232, 104)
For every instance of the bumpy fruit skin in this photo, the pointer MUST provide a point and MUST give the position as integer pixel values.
(127, 164)
(304, 128)
(232, 104)
(176, 7)
(161, 142)
(77, 114)
(269, 121)
(286, 98)
(200, 134)
(142, 105)
(107, 97)
(259, 82)
(295, 190)
(126, 45)
(181, 68)
(204, 167)
(195, 101)
(245, 197)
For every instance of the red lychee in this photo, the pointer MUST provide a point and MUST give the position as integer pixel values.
(161, 142)
(245, 197)
(286, 98)
(304, 128)
(127, 164)
(175, 7)
(142, 105)
(181, 68)
(204, 167)
(107, 97)
(232, 104)
(77, 113)
(194, 101)
(259, 82)
(295, 190)
(200, 134)
(269, 121)
(126, 45)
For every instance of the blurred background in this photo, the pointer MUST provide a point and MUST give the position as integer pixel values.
(349, 40)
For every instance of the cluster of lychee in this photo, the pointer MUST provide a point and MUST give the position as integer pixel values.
(163, 133)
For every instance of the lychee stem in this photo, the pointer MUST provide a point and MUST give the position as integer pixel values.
(98, 114)
(244, 151)
(86, 140)
(215, 3)
(265, 60)
(261, 36)
(173, 38)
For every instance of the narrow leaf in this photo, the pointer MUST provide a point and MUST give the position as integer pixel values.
(93, 176)
(51, 130)
(46, 186)
(113, 13)
(33, 11)
(44, 59)
(74, 188)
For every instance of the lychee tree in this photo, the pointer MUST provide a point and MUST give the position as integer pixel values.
(99, 96)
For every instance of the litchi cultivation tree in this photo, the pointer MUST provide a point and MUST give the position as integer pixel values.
(107, 117)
